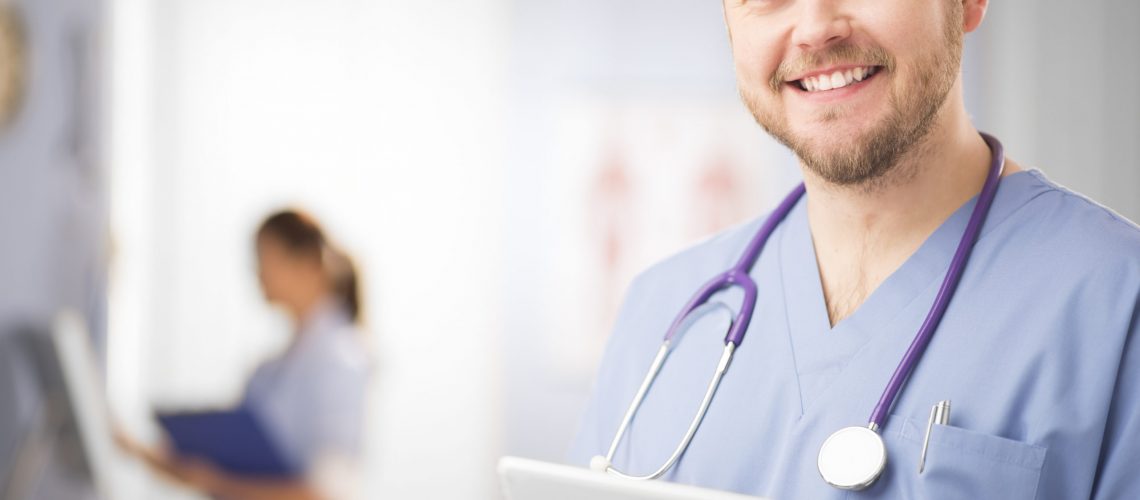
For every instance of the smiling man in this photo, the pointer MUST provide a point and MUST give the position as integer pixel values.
(920, 266)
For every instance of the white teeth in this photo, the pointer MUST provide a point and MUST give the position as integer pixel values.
(823, 83)
(836, 80)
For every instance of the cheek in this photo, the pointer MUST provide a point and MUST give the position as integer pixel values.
(754, 56)
(273, 280)
(268, 287)
(907, 32)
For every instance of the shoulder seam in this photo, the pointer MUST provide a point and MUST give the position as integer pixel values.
(1068, 193)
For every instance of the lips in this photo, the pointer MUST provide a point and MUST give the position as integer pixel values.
(835, 79)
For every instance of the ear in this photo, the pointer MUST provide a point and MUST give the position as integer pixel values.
(973, 11)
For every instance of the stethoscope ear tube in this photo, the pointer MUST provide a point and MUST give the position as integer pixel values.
(737, 276)
(694, 424)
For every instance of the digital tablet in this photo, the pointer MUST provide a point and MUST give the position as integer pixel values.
(525, 479)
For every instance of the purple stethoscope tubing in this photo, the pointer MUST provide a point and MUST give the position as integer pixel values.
(949, 284)
(738, 275)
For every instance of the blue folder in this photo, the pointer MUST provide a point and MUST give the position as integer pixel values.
(231, 440)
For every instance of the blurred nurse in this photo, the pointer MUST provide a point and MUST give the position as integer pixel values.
(311, 398)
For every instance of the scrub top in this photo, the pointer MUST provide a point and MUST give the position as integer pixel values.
(1038, 352)
(311, 399)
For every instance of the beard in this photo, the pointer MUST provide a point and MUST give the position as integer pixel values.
(867, 157)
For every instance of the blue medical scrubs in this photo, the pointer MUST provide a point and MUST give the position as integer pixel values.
(1039, 353)
(312, 397)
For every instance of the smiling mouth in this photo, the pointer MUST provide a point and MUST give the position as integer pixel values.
(835, 80)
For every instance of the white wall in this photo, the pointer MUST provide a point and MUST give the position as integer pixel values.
(380, 117)
(1059, 83)
(649, 85)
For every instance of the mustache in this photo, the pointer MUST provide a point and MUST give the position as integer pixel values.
(845, 53)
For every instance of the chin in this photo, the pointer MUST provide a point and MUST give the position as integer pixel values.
(831, 142)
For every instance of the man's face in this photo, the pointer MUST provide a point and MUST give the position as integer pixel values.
(849, 85)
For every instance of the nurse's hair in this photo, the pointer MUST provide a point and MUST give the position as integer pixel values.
(302, 236)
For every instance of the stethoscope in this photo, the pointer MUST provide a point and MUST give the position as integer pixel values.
(852, 458)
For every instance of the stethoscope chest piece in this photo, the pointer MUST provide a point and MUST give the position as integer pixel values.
(852, 458)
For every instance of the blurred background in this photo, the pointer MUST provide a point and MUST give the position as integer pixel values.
(499, 169)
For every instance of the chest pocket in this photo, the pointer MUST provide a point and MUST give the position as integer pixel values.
(960, 463)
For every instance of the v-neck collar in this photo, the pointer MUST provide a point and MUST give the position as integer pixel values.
(821, 351)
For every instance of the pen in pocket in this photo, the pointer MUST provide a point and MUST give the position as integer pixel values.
(939, 414)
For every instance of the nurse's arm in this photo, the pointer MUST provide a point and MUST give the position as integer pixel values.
(204, 477)
(257, 489)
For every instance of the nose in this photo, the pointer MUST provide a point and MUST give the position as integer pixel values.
(821, 23)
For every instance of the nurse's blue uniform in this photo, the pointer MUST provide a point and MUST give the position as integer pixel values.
(1038, 352)
(312, 398)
